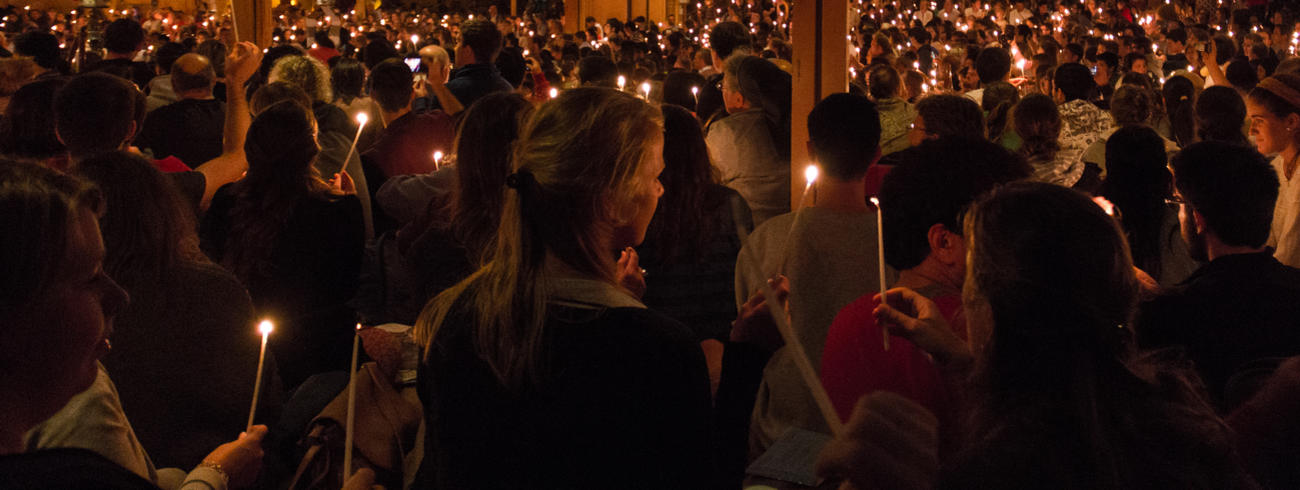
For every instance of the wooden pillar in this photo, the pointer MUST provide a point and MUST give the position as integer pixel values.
(253, 21)
(819, 31)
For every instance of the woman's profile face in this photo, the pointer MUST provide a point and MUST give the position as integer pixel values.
(1269, 131)
(647, 199)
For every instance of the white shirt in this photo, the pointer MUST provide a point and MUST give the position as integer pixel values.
(1284, 235)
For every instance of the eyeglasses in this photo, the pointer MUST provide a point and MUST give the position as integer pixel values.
(1177, 201)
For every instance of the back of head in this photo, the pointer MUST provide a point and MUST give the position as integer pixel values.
(1053, 271)
(1131, 105)
(123, 36)
(376, 51)
(484, 138)
(168, 53)
(146, 226)
(308, 73)
(391, 85)
(682, 88)
(281, 145)
(993, 64)
(845, 134)
(1038, 122)
(883, 82)
(95, 112)
(597, 71)
(27, 126)
(347, 79)
(1074, 81)
(274, 92)
(511, 64)
(37, 207)
(1220, 115)
(1241, 75)
(1179, 95)
(681, 229)
(730, 37)
(215, 51)
(951, 115)
(766, 87)
(999, 98)
(483, 38)
(1233, 187)
(193, 72)
(41, 46)
(1138, 181)
(935, 185)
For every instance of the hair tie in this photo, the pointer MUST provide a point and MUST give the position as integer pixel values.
(519, 179)
(1281, 89)
(1182, 98)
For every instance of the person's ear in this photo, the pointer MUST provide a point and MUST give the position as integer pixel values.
(945, 245)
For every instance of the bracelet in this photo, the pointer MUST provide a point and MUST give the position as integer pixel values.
(225, 478)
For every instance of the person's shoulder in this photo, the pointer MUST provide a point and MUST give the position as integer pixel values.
(66, 468)
(647, 324)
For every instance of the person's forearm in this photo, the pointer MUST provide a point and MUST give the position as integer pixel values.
(237, 119)
(230, 165)
(450, 104)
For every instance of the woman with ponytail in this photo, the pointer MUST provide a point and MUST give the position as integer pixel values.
(293, 241)
(1180, 99)
(999, 98)
(1274, 111)
(543, 369)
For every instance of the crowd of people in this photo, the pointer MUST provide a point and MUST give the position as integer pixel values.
(1039, 244)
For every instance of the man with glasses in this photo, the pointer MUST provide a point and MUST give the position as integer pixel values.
(1238, 314)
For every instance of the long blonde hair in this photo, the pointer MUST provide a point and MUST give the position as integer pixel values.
(576, 165)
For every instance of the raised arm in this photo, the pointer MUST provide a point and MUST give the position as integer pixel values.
(230, 165)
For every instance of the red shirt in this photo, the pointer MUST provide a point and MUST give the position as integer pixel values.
(323, 54)
(855, 363)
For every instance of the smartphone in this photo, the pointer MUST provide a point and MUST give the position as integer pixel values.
(1093, 69)
(414, 63)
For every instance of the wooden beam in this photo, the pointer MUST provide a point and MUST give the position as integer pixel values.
(253, 21)
(819, 31)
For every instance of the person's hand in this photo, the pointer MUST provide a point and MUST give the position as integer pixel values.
(439, 73)
(421, 87)
(343, 184)
(888, 442)
(630, 273)
(242, 62)
(909, 315)
(754, 323)
(363, 479)
(240, 459)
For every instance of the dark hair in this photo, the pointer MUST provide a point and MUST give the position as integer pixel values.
(322, 39)
(276, 92)
(845, 134)
(123, 36)
(1038, 122)
(993, 64)
(483, 38)
(951, 115)
(168, 53)
(1131, 105)
(347, 79)
(934, 185)
(767, 87)
(1275, 104)
(1074, 81)
(280, 148)
(598, 71)
(1137, 181)
(391, 85)
(883, 82)
(678, 85)
(216, 53)
(1241, 75)
(1179, 93)
(683, 226)
(1133, 57)
(1226, 48)
(1076, 49)
(484, 139)
(41, 46)
(37, 205)
(183, 81)
(999, 98)
(1232, 186)
(1178, 35)
(728, 36)
(1220, 115)
(93, 112)
(376, 51)
(147, 227)
(1110, 59)
(27, 126)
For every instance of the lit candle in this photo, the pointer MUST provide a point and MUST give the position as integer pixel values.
(645, 88)
(555, 92)
(880, 247)
(362, 118)
(352, 405)
(809, 176)
(265, 327)
(622, 81)
(437, 157)
(695, 93)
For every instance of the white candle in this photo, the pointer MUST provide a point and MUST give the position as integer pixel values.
(622, 81)
(352, 405)
(265, 327)
(361, 124)
(645, 88)
(437, 159)
(880, 247)
(695, 93)
(810, 176)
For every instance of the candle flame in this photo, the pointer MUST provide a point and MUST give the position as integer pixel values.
(875, 202)
(645, 87)
(362, 118)
(622, 81)
(437, 155)
(695, 91)
(265, 327)
(555, 92)
(810, 175)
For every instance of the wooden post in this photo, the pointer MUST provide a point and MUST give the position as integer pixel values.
(253, 21)
(819, 32)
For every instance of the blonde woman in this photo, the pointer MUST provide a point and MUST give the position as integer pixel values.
(542, 369)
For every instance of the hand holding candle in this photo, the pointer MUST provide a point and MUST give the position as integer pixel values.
(265, 328)
(880, 247)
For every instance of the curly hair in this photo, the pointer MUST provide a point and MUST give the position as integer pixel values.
(307, 73)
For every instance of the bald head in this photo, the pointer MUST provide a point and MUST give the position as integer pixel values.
(193, 76)
(436, 59)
